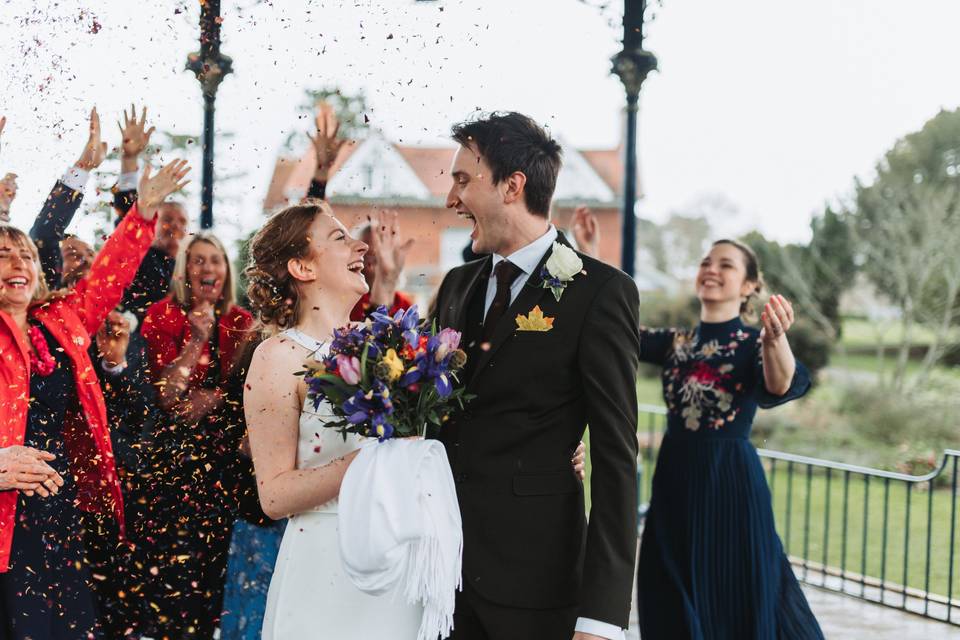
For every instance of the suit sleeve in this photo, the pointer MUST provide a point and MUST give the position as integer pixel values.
(50, 226)
(151, 284)
(608, 359)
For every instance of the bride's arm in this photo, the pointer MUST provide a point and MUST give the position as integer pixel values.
(272, 409)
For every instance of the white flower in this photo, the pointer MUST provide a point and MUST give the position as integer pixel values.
(564, 263)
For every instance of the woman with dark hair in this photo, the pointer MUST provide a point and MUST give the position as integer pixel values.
(194, 338)
(711, 564)
(55, 455)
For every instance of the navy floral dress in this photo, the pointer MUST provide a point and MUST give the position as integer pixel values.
(711, 564)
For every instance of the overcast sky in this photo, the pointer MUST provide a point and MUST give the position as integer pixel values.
(762, 111)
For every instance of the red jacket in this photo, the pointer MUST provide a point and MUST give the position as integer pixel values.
(73, 319)
(166, 330)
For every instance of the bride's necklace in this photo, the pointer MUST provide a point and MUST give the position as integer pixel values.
(41, 361)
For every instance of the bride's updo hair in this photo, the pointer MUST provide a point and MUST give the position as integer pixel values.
(273, 293)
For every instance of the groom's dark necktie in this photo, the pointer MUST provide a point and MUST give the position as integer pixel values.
(506, 272)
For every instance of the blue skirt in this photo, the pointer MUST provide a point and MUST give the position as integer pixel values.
(711, 564)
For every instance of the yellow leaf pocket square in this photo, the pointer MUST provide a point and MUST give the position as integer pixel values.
(534, 321)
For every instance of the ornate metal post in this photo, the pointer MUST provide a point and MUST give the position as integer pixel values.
(631, 65)
(210, 67)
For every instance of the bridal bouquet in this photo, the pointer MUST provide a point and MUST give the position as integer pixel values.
(389, 377)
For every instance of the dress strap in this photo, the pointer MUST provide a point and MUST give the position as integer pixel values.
(317, 347)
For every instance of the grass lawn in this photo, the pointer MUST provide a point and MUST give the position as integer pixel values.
(883, 552)
(820, 538)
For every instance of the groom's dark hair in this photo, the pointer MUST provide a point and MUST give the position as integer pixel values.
(510, 142)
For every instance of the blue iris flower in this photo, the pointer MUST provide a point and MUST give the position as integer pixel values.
(426, 368)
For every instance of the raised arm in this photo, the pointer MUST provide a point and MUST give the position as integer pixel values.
(779, 365)
(608, 353)
(135, 137)
(272, 408)
(326, 148)
(117, 262)
(62, 203)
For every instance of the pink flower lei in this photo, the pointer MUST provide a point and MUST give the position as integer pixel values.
(41, 361)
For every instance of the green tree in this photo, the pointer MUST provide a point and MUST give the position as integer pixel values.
(907, 226)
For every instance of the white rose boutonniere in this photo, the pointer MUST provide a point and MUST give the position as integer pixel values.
(562, 265)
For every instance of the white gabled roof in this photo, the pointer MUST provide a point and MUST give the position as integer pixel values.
(578, 180)
(375, 170)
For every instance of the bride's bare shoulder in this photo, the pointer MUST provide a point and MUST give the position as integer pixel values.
(279, 350)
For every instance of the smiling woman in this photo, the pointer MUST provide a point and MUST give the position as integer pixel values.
(56, 459)
(194, 339)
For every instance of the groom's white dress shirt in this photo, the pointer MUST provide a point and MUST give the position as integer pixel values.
(527, 259)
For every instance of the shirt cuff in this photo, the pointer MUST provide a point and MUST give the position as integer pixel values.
(76, 178)
(597, 628)
(115, 370)
(127, 181)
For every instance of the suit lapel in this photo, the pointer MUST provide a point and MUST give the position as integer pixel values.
(528, 297)
(458, 315)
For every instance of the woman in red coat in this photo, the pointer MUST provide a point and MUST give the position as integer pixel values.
(194, 338)
(55, 454)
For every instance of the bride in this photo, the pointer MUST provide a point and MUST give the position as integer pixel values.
(305, 277)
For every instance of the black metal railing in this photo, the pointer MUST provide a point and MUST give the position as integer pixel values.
(884, 537)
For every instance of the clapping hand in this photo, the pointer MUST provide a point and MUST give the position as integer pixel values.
(95, 150)
(326, 144)
(154, 189)
(135, 134)
(777, 318)
(586, 231)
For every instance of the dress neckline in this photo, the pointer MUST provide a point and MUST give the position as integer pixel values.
(714, 329)
(317, 347)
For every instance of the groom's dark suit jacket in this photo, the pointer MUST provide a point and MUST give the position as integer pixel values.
(526, 540)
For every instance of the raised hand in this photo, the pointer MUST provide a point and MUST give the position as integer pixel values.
(26, 469)
(154, 189)
(135, 134)
(586, 231)
(8, 191)
(387, 244)
(777, 318)
(95, 150)
(326, 144)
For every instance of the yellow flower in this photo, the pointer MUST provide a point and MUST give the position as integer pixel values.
(535, 321)
(394, 365)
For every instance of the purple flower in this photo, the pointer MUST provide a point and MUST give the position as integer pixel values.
(429, 367)
(371, 407)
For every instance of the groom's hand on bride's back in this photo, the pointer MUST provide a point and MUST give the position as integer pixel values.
(579, 462)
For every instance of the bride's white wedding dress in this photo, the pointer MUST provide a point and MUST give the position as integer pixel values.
(310, 596)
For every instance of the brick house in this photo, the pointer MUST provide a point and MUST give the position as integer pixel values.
(379, 173)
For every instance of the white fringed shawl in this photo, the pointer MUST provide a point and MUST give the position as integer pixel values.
(400, 528)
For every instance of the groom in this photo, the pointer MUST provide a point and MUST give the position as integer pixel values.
(552, 347)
